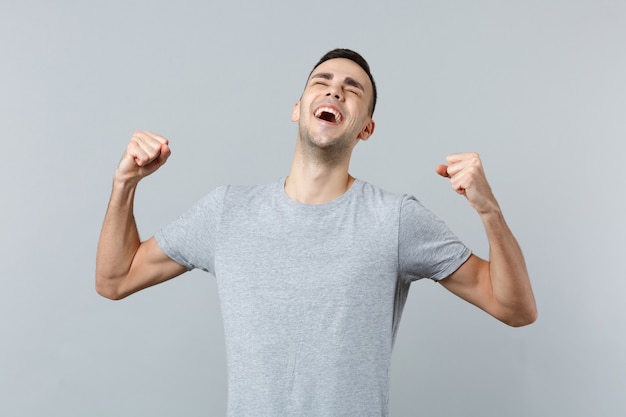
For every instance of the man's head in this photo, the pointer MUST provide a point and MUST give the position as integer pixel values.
(356, 58)
(335, 109)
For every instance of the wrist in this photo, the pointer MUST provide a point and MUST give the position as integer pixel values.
(123, 180)
(491, 208)
(492, 217)
(123, 189)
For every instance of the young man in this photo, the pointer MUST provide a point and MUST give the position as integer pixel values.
(313, 270)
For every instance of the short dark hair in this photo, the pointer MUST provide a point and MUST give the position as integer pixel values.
(356, 58)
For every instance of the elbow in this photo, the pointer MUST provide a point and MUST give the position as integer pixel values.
(108, 291)
(522, 318)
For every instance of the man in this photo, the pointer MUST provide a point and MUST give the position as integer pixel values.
(313, 270)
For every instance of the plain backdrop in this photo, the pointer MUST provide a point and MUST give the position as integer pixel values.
(538, 88)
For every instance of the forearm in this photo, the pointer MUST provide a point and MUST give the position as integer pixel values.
(119, 240)
(509, 277)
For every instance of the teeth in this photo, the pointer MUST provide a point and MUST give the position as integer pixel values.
(330, 110)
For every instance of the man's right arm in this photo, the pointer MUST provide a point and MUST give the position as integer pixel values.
(124, 264)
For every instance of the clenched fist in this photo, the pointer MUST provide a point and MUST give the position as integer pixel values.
(467, 177)
(146, 152)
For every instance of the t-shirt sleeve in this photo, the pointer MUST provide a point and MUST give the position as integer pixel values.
(190, 240)
(427, 247)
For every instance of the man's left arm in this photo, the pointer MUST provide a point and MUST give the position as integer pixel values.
(500, 286)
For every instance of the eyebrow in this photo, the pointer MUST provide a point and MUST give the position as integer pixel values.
(349, 80)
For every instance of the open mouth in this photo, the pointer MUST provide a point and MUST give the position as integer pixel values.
(328, 114)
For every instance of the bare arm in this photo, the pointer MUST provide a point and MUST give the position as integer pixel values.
(500, 286)
(124, 264)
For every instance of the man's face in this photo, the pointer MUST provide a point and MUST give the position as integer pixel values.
(334, 109)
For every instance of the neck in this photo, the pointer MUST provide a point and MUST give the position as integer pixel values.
(317, 182)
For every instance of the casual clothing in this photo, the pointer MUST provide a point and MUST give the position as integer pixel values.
(311, 295)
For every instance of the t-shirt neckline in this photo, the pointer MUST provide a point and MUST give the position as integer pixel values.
(280, 184)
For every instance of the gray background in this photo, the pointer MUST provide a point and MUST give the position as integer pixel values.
(538, 88)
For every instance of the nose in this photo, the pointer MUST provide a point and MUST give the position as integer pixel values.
(334, 91)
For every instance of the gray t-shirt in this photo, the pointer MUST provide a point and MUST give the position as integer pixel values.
(311, 295)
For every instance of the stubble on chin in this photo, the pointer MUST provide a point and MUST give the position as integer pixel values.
(327, 151)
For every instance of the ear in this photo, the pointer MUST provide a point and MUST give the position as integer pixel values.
(367, 131)
(295, 114)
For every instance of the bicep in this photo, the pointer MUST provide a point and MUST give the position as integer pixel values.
(150, 266)
(472, 282)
